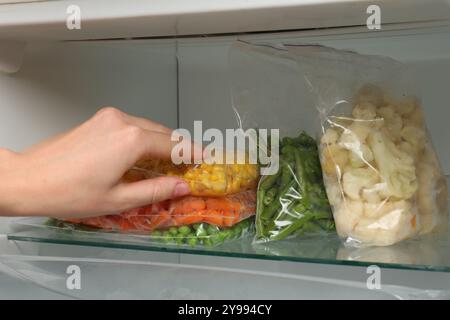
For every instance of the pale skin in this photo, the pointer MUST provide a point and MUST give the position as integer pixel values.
(78, 173)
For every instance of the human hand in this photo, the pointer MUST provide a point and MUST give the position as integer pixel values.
(78, 173)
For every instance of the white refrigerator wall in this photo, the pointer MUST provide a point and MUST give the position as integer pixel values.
(176, 82)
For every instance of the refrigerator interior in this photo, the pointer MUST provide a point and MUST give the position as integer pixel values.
(177, 81)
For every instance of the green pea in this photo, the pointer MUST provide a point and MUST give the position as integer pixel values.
(192, 242)
(225, 234)
(166, 237)
(184, 230)
(180, 240)
(237, 231)
(212, 229)
(173, 231)
(196, 225)
(207, 242)
(216, 239)
(156, 234)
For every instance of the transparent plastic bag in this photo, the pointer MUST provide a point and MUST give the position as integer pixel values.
(381, 172)
(204, 179)
(219, 211)
(291, 202)
(197, 234)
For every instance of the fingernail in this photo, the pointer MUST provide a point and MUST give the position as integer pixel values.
(181, 189)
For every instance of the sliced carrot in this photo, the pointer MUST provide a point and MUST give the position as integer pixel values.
(188, 219)
(214, 217)
(236, 217)
(158, 220)
(218, 204)
(189, 204)
(125, 225)
(235, 205)
(142, 223)
(228, 218)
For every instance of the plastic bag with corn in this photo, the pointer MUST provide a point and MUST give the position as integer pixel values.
(204, 179)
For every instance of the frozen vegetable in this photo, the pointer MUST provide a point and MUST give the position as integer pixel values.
(293, 201)
(220, 211)
(198, 234)
(381, 172)
(204, 179)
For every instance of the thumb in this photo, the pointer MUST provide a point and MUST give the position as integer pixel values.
(153, 190)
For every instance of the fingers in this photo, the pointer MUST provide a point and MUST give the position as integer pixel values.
(145, 192)
(146, 124)
(146, 144)
(111, 117)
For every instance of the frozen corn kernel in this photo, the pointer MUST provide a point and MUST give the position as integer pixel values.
(208, 179)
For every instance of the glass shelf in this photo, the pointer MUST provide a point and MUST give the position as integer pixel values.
(429, 253)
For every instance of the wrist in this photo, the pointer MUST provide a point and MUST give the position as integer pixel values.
(9, 186)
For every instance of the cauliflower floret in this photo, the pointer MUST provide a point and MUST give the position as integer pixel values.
(334, 192)
(334, 159)
(347, 215)
(396, 225)
(331, 136)
(406, 147)
(361, 157)
(392, 121)
(377, 210)
(360, 129)
(406, 106)
(372, 195)
(370, 93)
(415, 118)
(396, 168)
(364, 111)
(432, 194)
(355, 180)
(353, 139)
(415, 136)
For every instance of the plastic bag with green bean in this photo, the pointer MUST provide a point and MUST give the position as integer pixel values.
(293, 201)
(268, 93)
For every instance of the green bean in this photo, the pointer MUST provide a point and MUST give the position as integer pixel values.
(300, 222)
(302, 177)
(269, 211)
(270, 195)
(286, 173)
(268, 181)
(286, 231)
(287, 141)
(311, 227)
(326, 224)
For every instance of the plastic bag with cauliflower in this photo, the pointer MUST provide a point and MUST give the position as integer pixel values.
(381, 172)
